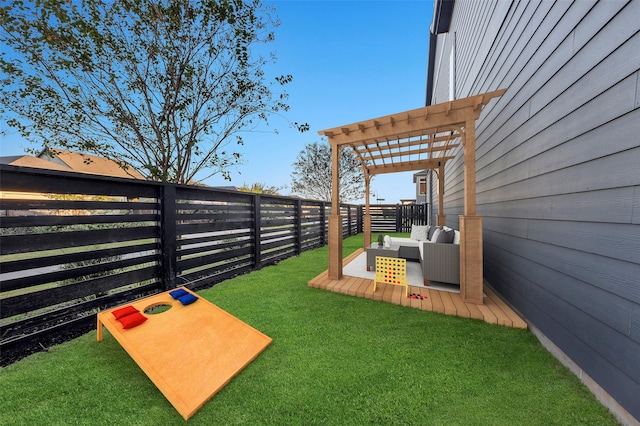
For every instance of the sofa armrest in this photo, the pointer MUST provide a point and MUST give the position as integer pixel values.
(441, 262)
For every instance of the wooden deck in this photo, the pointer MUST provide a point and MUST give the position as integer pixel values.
(493, 311)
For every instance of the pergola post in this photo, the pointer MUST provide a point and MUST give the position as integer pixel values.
(441, 219)
(367, 212)
(335, 220)
(471, 272)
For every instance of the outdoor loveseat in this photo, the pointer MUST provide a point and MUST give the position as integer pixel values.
(437, 248)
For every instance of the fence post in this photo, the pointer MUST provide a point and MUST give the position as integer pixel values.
(398, 219)
(360, 225)
(323, 223)
(348, 220)
(168, 236)
(298, 226)
(257, 235)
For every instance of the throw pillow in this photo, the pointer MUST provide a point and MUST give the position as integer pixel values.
(456, 238)
(434, 236)
(432, 230)
(419, 233)
(446, 236)
(123, 312)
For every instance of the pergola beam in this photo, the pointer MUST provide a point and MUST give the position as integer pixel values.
(408, 166)
(409, 152)
(432, 119)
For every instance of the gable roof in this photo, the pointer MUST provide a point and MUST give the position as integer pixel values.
(68, 161)
(86, 163)
(28, 161)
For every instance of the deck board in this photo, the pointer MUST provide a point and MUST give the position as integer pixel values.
(493, 311)
(436, 300)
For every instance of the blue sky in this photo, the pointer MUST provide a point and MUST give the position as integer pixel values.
(350, 61)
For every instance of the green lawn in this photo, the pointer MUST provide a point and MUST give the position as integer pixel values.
(334, 360)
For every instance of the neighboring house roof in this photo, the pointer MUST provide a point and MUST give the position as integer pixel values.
(86, 163)
(28, 161)
(73, 162)
(407, 201)
(9, 159)
(228, 187)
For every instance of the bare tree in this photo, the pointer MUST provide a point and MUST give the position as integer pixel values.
(312, 174)
(166, 86)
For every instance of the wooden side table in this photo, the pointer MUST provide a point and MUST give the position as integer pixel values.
(374, 250)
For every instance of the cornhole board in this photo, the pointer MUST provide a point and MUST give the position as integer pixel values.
(189, 352)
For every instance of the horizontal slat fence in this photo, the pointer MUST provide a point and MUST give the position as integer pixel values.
(383, 218)
(214, 235)
(397, 217)
(70, 246)
(73, 244)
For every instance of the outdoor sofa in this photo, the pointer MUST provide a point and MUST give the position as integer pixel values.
(437, 248)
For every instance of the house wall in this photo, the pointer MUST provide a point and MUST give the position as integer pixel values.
(558, 170)
(421, 198)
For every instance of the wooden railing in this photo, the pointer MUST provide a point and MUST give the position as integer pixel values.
(72, 244)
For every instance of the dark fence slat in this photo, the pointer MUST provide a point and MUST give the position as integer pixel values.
(13, 244)
(240, 216)
(214, 258)
(52, 204)
(271, 223)
(27, 302)
(216, 274)
(210, 238)
(105, 268)
(183, 252)
(199, 228)
(26, 221)
(81, 308)
(277, 256)
(70, 258)
(216, 208)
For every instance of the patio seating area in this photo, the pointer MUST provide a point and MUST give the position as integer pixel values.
(494, 310)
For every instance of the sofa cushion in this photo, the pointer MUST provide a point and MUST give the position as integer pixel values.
(419, 233)
(432, 230)
(399, 241)
(445, 236)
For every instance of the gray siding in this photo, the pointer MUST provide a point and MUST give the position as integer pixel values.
(558, 170)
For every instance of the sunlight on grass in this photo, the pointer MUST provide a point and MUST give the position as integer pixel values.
(334, 360)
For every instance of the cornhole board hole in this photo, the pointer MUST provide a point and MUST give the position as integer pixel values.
(189, 352)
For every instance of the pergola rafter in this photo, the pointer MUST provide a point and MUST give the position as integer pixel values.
(423, 138)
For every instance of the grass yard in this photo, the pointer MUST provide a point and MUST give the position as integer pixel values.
(334, 360)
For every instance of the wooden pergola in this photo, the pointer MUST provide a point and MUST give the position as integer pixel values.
(423, 138)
